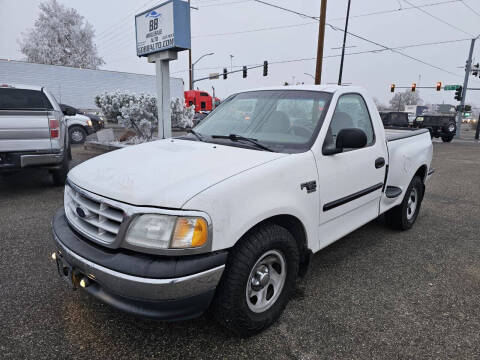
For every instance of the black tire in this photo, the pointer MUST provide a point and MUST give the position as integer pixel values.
(59, 175)
(447, 138)
(77, 134)
(230, 307)
(400, 217)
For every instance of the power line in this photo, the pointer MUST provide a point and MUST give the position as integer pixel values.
(302, 24)
(360, 37)
(438, 19)
(469, 7)
(374, 51)
(122, 21)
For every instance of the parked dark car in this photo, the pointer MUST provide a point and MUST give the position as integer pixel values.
(394, 118)
(442, 126)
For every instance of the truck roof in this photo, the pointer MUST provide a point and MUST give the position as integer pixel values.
(22, 86)
(325, 88)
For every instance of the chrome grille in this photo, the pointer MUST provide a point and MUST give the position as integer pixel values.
(99, 222)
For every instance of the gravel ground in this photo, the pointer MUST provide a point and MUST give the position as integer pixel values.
(375, 294)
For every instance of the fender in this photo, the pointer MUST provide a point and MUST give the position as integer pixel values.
(274, 188)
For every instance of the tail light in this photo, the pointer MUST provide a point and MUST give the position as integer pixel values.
(54, 125)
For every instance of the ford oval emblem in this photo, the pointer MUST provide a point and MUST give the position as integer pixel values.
(80, 212)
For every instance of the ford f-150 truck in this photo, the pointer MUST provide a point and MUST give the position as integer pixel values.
(226, 217)
(33, 132)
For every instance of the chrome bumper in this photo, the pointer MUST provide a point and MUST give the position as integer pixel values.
(141, 288)
(41, 159)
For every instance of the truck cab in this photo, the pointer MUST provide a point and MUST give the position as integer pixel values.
(228, 216)
(202, 100)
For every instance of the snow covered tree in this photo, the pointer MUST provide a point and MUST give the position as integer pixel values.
(139, 112)
(182, 116)
(112, 102)
(60, 36)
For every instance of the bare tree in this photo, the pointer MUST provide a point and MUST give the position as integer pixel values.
(60, 36)
(407, 97)
(380, 106)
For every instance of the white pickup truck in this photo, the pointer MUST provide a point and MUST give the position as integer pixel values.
(227, 216)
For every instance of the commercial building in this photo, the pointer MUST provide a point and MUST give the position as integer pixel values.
(78, 87)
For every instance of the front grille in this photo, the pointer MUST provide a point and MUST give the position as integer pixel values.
(92, 216)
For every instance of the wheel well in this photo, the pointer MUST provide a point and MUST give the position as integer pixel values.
(296, 228)
(422, 172)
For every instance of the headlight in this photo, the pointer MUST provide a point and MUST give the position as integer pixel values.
(420, 119)
(89, 123)
(451, 127)
(164, 231)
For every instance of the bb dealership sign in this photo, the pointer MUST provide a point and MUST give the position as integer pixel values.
(164, 27)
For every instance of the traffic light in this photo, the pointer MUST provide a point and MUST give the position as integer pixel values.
(392, 88)
(467, 108)
(414, 86)
(244, 72)
(458, 93)
(265, 68)
(225, 73)
(439, 85)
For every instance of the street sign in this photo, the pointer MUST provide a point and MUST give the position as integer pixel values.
(213, 76)
(451, 87)
(164, 27)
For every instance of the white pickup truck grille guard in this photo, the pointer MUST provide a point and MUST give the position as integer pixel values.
(105, 221)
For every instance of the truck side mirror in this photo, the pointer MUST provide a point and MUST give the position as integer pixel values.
(347, 139)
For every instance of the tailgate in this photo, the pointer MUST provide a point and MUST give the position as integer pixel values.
(24, 130)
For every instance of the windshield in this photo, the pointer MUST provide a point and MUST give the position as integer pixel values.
(282, 120)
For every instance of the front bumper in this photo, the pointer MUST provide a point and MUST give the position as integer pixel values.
(158, 287)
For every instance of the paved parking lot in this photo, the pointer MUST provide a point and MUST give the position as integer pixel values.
(376, 293)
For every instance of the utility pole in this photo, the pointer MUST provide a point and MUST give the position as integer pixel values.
(321, 38)
(343, 47)
(465, 85)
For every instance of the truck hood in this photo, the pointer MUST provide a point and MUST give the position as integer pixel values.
(165, 173)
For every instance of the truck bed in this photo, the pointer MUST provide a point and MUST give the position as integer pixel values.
(392, 133)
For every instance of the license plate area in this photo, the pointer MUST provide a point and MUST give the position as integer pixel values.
(69, 274)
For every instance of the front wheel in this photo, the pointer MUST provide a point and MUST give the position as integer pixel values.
(77, 134)
(447, 138)
(403, 216)
(259, 277)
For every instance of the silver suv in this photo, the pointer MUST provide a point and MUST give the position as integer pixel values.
(32, 131)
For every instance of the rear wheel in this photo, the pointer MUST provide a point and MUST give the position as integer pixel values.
(403, 216)
(259, 277)
(77, 134)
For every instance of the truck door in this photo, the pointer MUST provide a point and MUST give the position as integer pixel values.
(350, 182)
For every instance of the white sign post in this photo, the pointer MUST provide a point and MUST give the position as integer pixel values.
(161, 32)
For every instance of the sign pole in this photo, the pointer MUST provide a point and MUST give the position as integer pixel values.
(162, 70)
(161, 32)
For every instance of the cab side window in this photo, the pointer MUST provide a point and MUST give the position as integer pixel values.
(351, 113)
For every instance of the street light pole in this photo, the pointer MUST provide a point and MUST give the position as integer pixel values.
(193, 67)
(465, 85)
(343, 47)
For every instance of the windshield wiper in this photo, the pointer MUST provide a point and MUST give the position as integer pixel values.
(235, 137)
(197, 135)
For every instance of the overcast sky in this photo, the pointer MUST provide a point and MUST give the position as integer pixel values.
(254, 32)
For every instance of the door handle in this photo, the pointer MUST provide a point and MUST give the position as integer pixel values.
(379, 163)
